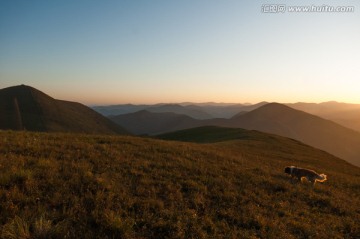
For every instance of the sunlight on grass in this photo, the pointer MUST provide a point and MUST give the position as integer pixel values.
(78, 186)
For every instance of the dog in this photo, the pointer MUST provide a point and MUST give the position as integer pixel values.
(309, 174)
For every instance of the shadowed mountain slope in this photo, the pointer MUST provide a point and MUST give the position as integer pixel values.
(26, 108)
(214, 134)
(345, 114)
(282, 120)
(228, 111)
(193, 111)
(145, 122)
(271, 118)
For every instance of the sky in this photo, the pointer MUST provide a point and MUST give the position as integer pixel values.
(141, 51)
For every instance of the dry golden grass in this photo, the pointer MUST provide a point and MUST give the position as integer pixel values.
(80, 186)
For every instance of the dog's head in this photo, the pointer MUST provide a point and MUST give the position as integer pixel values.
(289, 170)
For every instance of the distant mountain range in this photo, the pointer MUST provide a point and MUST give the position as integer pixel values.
(26, 108)
(194, 110)
(345, 114)
(271, 118)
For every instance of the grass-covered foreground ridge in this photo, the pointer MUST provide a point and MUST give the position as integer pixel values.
(78, 186)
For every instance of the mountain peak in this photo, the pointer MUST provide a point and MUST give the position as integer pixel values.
(274, 105)
(269, 109)
(20, 87)
(23, 107)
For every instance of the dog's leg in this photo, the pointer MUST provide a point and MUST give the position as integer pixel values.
(312, 181)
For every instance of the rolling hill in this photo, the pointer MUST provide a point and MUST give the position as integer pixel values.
(147, 123)
(215, 134)
(26, 108)
(192, 111)
(320, 133)
(227, 111)
(121, 109)
(271, 118)
(58, 185)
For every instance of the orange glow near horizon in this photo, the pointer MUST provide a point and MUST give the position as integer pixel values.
(181, 51)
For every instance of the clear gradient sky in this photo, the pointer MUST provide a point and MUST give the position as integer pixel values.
(151, 51)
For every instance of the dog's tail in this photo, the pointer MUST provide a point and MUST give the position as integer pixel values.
(321, 178)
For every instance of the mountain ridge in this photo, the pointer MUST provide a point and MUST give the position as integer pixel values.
(26, 108)
(194, 110)
(282, 120)
(345, 114)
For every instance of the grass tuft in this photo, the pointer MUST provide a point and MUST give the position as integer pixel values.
(16, 229)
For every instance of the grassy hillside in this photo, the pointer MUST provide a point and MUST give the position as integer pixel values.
(26, 108)
(213, 134)
(87, 186)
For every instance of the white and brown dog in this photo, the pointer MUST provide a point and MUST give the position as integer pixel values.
(301, 173)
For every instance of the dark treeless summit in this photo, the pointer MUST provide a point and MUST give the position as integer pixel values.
(26, 108)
